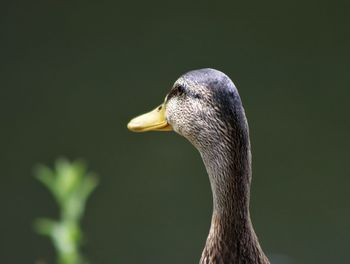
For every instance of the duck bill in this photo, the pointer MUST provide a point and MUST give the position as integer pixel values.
(154, 120)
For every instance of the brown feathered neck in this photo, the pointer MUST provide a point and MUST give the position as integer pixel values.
(231, 237)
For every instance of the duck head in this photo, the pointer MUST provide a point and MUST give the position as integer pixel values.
(203, 106)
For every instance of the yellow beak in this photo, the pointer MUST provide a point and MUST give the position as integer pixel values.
(154, 120)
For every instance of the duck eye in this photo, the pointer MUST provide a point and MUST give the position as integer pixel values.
(180, 89)
(176, 91)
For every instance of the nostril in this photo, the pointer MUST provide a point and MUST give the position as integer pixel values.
(159, 108)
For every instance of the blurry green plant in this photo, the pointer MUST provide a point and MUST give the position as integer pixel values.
(70, 184)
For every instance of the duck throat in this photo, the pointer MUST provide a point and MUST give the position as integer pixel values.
(231, 237)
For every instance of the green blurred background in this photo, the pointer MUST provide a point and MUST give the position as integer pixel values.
(74, 72)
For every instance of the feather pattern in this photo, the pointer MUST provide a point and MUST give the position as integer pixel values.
(204, 106)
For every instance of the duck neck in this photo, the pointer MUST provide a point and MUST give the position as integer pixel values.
(231, 237)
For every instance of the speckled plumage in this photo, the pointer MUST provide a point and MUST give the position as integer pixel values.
(204, 106)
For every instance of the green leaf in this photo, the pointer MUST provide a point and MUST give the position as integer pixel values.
(71, 185)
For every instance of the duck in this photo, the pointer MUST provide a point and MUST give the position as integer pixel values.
(204, 106)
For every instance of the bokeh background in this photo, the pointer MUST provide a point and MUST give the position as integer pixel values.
(74, 72)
